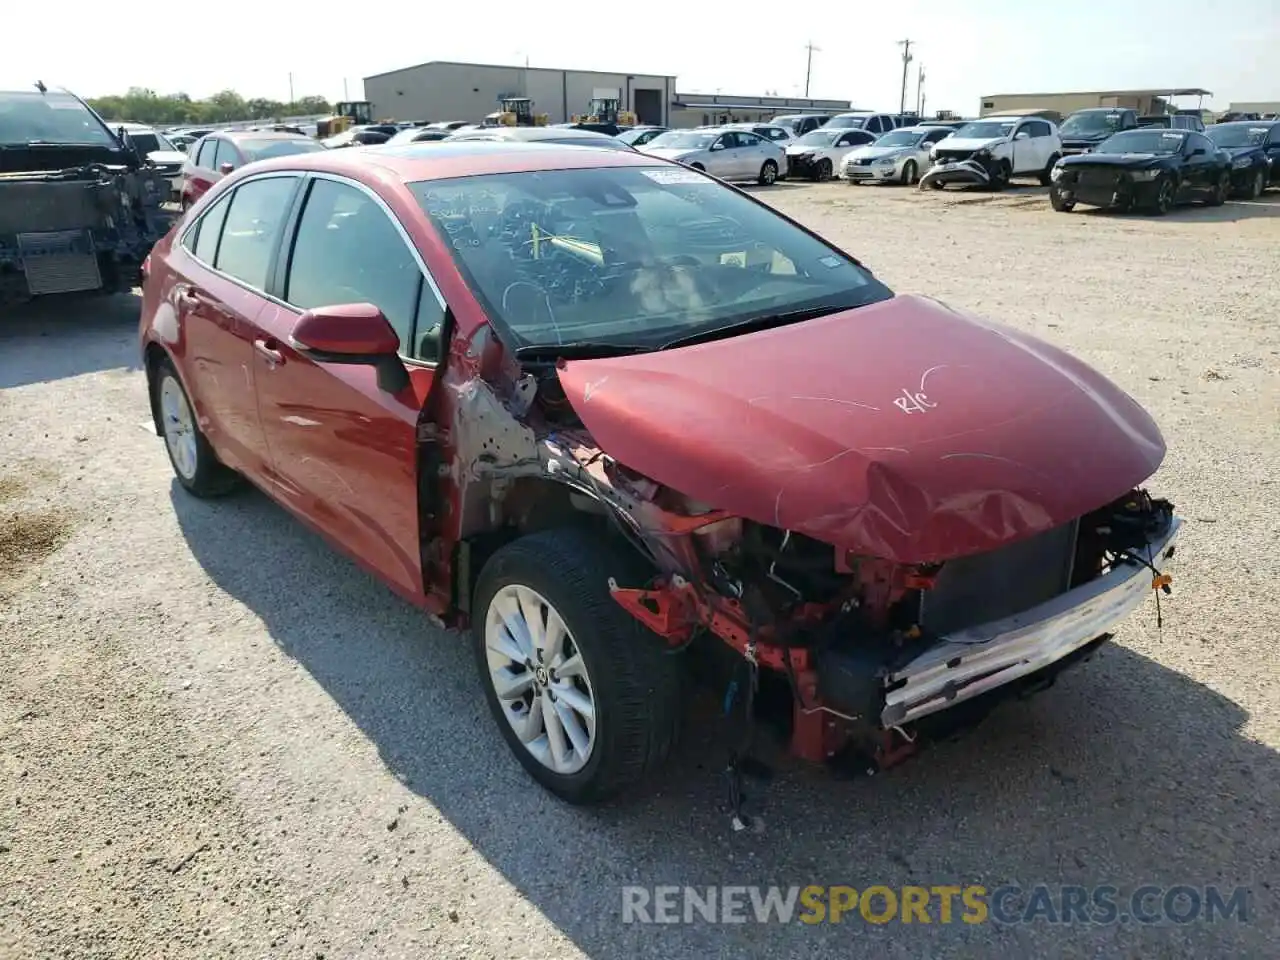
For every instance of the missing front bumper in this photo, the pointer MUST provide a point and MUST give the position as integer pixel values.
(960, 171)
(971, 662)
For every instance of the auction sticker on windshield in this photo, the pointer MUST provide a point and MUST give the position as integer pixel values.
(668, 177)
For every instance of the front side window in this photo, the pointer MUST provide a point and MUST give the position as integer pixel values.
(252, 228)
(631, 255)
(347, 250)
(34, 117)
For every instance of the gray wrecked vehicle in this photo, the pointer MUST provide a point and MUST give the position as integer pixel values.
(79, 205)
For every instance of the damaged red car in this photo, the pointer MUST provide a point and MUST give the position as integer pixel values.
(604, 411)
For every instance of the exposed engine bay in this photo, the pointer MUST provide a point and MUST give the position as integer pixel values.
(869, 649)
(75, 229)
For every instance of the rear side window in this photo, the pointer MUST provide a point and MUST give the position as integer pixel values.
(208, 230)
(204, 156)
(347, 250)
(251, 228)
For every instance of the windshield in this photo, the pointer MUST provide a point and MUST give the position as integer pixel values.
(818, 138)
(846, 123)
(634, 255)
(985, 130)
(148, 141)
(1143, 141)
(49, 118)
(266, 149)
(1237, 135)
(900, 138)
(682, 141)
(1091, 122)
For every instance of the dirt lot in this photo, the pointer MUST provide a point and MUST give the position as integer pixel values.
(218, 738)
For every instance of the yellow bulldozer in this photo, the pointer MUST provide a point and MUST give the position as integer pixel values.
(606, 110)
(347, 113)
(516, 112)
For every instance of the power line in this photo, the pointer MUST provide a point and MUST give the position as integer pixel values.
(906, 59)
(808, 68)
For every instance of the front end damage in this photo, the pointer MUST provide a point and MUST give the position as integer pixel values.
(83, 227)
(868, 646)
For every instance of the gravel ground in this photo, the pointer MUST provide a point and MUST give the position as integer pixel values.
(219, 738)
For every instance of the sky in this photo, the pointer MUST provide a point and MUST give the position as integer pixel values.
(967, 48)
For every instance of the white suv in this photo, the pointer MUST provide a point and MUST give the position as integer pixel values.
(994, 150)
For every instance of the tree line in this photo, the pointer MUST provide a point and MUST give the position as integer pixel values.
(141, 105)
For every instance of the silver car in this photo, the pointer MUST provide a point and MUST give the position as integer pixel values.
(901, 155)
(727, 154)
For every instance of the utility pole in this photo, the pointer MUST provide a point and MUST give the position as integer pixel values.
(291, 100)
(344, 88)
(920, 92)
(906, 59)
(808, 67)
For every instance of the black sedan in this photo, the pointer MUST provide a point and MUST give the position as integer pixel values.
(1152, 169)
(1254, 147)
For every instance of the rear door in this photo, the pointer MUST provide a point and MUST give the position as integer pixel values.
(344, 451)
(200, 171)
(224, 264)
(1273, 153)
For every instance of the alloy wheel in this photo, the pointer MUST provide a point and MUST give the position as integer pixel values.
(540, 679)
(178, 425)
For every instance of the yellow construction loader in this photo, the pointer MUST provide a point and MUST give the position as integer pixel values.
(516, 112)
(347, 113)
(605, 110)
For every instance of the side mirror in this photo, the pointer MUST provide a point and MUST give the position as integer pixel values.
(355, 333)
(1023, 136)
(225, 168)
(717, 146)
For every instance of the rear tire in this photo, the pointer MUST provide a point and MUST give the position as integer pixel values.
(628, 678)
(195, 465)
(1257, 185)
(768, 174)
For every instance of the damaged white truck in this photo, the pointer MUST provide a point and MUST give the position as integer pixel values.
(80, 207)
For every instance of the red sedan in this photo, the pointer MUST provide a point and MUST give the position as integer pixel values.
(602, 409)
(217, 154)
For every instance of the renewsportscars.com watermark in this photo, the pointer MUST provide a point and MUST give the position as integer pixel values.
(942, 904)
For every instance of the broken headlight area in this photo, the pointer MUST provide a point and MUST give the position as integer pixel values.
(869, 649)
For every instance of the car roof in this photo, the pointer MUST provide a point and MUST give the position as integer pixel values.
(530, 133)
(259, 135)
(1247, 123)
(454, 157)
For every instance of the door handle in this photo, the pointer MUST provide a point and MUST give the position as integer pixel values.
(265, 347)
(186, 299)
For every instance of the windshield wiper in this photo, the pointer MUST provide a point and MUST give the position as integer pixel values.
(754, 323)
(578, 350)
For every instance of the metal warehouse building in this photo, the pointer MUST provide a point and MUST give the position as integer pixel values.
(1143, 101)
(445, 90)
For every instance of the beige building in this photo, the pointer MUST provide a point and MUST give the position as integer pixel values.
(1260, 107)
(445, 90)
(1144, 101)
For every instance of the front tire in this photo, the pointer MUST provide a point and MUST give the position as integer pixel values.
(768, 174)
(1059, 203)
(909, 173)
(587, 699)
(1046, 175)
(1257, 185)
(1163, 202)
(1221, 190)
(195, 465)
(822, 172)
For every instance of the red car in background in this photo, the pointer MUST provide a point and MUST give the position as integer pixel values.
(603, 408)
(217, 154)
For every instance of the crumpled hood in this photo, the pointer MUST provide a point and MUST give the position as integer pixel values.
(968, 143)
(902, 430)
